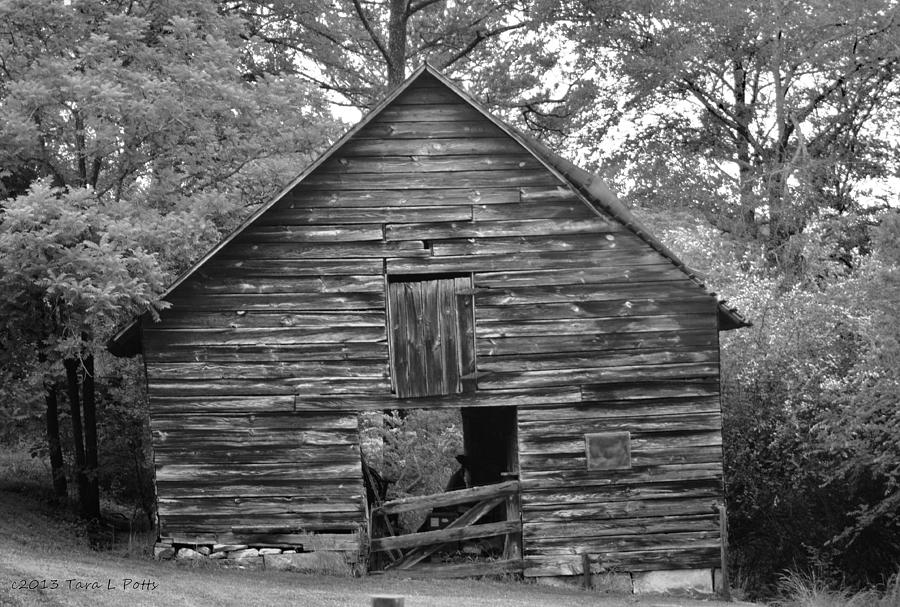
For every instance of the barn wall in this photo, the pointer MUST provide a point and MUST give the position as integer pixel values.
(292, 311)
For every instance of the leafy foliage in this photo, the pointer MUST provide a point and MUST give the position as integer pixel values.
(782, 108)
(415, 451)
(811, 429)
(130, 142)
(357, 49)
(144, 103)
(69, 268)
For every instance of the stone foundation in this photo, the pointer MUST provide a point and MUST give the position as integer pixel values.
(242, 556)
(690, 581)
(674, 581)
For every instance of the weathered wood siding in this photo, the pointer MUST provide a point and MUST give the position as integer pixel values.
(255, 371)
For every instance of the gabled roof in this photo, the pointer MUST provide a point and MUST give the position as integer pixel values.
(593, 191)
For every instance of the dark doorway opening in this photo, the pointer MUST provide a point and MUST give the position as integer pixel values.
(490, 443)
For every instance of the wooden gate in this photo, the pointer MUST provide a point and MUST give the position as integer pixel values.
(409, 550)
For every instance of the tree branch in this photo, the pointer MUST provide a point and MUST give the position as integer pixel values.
(478, 39)
(371, 31)
(414, 8)
(720, 113)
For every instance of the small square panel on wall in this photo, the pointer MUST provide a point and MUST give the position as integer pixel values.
(608, 450)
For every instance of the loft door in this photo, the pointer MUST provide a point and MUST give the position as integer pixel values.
(432, 336)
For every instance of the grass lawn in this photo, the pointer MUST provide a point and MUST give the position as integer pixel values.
(40, 542)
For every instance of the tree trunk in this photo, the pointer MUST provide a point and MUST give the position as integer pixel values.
(397, 22)
(71, 366)
(777, 179)
(92, 502)
(57, 471)
(80, 151)
(743, 115)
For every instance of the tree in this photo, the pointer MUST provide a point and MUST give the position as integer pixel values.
(356, 49)
(130, 141)
(809, 393)
(69, 272)
(785, 102)
(859, 433)
(144, 102)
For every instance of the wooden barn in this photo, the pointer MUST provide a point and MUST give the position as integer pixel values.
(436, 257)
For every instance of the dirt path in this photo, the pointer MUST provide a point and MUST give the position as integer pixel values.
(38, 548)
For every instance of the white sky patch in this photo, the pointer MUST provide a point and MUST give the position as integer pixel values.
(346, 114)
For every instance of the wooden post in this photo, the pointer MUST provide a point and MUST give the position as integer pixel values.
(512, 546)
(725, 591)
(586, 570)
(387, 601)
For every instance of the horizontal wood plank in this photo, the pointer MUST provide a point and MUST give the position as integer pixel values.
(458, 570)
(310, 233)
(248, 473)
(548, 499)
(596, 309)
(431, 147)
(281, 370)
(299, 302)
(518, 261)
(250, 507)
(615, 527)
(411, 164)
(251, 424)
(702, 555)
(274, 353)
(441, 536)
(550, 343)
(420, 93)
(544, 431)
(274, 267)
(324, 250)
(630, 324)
(449, 498)
(595, 545)
(658, 389)
(362, 215)
(239, 438)
(557, 377)
(603, 410)
(177, 524)
(303, 196)
(574, 208)
(495, 398)
(398, 129)
(435, 112)
(263, 335)
(574, 244)
(601, 275)
(494, 229)
(199, 286)
(251, 387)
(504, 295)
(241, 319)
(554, 479)
(367, 182)
(603, 358)
(575, 459)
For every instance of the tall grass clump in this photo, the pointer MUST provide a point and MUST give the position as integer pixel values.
(810, 590)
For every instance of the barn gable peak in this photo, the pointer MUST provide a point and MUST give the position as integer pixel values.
(590, 189)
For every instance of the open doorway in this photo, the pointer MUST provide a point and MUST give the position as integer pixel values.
(426, 516)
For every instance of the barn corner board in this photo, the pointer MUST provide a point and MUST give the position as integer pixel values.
(436, 257)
